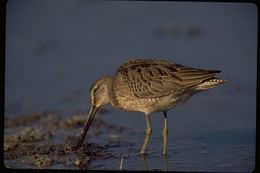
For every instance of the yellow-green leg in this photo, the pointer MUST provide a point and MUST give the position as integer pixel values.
(165, 133)
(147, 135)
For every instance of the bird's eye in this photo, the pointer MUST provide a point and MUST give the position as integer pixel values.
(95, 91)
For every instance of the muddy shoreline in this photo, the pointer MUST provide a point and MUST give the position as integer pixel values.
(43, 140)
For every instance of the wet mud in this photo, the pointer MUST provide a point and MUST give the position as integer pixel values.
(44, 140)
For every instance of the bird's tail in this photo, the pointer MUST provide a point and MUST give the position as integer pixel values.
(211, 83)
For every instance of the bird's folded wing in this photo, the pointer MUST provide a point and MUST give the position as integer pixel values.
(155, 78)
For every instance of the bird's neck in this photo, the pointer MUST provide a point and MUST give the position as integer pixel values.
(109, 88)
(110, 93)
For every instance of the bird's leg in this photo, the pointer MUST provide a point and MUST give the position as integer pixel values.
(147, 135)
(165, 132)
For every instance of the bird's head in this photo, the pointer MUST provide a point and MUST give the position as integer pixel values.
(100, 94)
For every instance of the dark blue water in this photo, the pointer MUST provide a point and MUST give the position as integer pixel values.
(56, 49)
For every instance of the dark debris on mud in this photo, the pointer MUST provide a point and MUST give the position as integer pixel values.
(35, 143)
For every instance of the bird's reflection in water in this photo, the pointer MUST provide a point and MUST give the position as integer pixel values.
(146, 166)
(165, 163)
(143, 157)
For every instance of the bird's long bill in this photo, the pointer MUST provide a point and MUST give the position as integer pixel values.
(88, 122)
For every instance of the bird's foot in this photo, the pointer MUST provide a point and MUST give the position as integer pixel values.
(164, 155)
(142, 154)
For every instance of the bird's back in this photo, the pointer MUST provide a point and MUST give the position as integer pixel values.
(143, 81)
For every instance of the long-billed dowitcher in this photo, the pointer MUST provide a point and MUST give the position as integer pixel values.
(149, 85)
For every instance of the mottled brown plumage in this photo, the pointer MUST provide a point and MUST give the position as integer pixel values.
(139, 85)
(149, 85)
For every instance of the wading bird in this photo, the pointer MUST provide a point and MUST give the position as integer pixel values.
(149, 85)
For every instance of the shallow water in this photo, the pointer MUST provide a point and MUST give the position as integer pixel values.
(56, 49)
